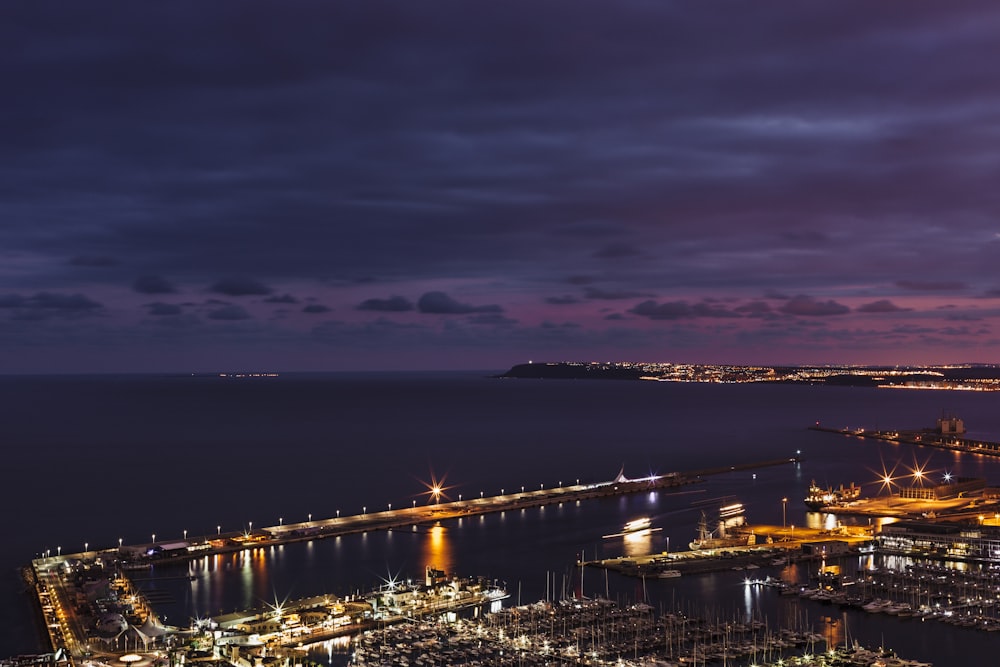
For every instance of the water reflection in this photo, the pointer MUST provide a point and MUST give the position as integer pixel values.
(437, 550)
(638, 544)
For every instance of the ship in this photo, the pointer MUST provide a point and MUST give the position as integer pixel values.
(819, 498)
(731, 530)
(635, 528)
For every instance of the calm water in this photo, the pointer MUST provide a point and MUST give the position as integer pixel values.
(95, 459)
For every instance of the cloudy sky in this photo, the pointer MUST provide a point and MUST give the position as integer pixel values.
(192, 186)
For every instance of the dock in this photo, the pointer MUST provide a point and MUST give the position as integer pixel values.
(774, 543)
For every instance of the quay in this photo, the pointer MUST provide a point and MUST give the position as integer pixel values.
(138, 556)
(773, 545)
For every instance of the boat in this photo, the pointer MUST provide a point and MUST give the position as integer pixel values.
(819, 498)
(668, 574)
(635, 528)
(730, 531)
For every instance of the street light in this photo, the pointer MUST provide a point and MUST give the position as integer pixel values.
(338, 514)
(119, 543)
(185, 534)
(86, 547)
(281, 520)
(59, 551)
(310, 517)
(154, 538)
(784, 504)
(218, 530)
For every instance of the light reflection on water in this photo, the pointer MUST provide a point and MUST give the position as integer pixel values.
(437, 550)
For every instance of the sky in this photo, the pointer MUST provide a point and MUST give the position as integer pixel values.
(397, 185)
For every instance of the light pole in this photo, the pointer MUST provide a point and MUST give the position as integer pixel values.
(281, 520)
(154, 538)
(218, 530)
(86, 547)
(185, 534)
(59, 551)
(338, 514)
(119, 543)
(310, 517)
(784, 504)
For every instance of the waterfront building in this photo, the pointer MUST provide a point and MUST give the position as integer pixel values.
(941, 540)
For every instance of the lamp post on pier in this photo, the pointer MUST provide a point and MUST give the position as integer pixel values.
(784, 504)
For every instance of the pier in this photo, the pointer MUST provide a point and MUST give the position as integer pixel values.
(923, 438)
(179, 550)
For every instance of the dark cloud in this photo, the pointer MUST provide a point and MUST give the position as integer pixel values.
(931, 286)
(612, 295)
(675, 310)
(93, 261)
(153, 285)
(240, 287)
(810, 307)
(231, 313)
(164, 309)
(880, 306)
(440, 303)
(754, 309)
(393, 304)
(616, 251)
(43, 304)
(565, 300)
(315, 309)
(284, 298)
(491, 319)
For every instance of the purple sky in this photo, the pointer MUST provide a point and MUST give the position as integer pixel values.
(192, 186)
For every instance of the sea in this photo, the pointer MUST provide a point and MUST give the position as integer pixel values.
(91, 460)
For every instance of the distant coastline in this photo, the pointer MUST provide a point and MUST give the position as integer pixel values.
(966, 377)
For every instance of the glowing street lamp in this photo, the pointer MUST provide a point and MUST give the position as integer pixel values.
(185, 534)
(86, 547)
(218, 530)
(784, 504)
(281, 521)
(154, 538)
(310, 517)
(119, 543)
(59, 551)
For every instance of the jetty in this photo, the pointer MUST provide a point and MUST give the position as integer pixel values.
(949, 435)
